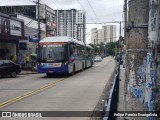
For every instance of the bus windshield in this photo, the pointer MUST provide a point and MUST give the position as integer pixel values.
(53, 53)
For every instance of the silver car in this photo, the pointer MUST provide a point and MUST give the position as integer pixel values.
(98, 59)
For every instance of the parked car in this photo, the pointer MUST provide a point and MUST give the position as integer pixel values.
(98, 59)
(8, 67)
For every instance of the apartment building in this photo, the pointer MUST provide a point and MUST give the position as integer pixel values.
(99, 36)
(109, 33)
(94, 36)
(71, 23)
(105, 35)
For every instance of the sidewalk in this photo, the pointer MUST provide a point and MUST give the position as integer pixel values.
(127, 104)
(121, 102)
(26, 72)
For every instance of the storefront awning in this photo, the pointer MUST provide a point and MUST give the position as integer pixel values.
(12, 37)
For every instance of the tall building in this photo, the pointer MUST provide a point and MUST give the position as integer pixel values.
(109, 33)
(99, 36)
(94, 36)
(71, 23)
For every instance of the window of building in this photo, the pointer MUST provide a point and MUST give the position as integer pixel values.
(48, 18)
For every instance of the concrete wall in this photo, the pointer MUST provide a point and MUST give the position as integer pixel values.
(137, 39)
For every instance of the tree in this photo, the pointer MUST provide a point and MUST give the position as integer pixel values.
(111, 47)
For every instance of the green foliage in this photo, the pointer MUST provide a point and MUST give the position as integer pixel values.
(110, 48)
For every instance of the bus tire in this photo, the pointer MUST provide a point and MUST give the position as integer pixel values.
(91, 63)
(82, 66)
(73, 72)
(49, 74)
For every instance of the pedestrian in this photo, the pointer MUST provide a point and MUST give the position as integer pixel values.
(14, 59)
(27, 60)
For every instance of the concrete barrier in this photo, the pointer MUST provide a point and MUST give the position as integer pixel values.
(112, 102)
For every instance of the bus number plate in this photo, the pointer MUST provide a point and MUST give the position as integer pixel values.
(50, 71)
(57, 65)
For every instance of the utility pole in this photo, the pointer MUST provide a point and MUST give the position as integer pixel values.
(137, 45)
(120, 41)
(125, 21)
(38, 18)
(77, 31)
(153, 29)
(39, 30)
(125, 50)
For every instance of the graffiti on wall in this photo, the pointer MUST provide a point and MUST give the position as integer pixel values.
(154, 14)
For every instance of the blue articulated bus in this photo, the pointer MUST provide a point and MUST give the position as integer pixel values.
(63, 55)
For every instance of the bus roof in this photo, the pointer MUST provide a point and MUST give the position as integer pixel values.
(60, 39)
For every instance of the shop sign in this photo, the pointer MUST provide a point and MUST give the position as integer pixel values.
(16, 28)
(33, 39)
(5, 27)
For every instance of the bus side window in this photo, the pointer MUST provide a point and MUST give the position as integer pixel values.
(71, 51)
(75, 51)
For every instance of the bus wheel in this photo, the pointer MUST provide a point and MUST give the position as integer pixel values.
(82, 66)
(91, 63)
(49, 74)
(73, 72)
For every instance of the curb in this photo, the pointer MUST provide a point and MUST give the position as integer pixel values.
(28, 73)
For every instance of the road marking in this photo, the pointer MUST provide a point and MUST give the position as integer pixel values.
(8, 102)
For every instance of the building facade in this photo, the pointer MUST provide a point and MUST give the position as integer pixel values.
(47, 15)
(71, 23)
(11, 32)
(94, 36)
(105, 35)
(109, 33)
(28, 14)
(99, 36)
(31, 31)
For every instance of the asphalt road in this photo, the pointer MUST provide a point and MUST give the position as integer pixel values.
(36, 92)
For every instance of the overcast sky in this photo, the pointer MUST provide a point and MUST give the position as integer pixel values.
(97, 11)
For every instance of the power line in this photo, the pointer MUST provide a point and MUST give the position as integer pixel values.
(84, 9)
(92, 10)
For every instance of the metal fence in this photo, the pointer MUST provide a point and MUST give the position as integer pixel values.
(112, 102)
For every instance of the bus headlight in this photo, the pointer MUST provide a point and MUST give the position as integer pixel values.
(65, 63)
(40, 64)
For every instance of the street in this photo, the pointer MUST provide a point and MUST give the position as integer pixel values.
(36, 92)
